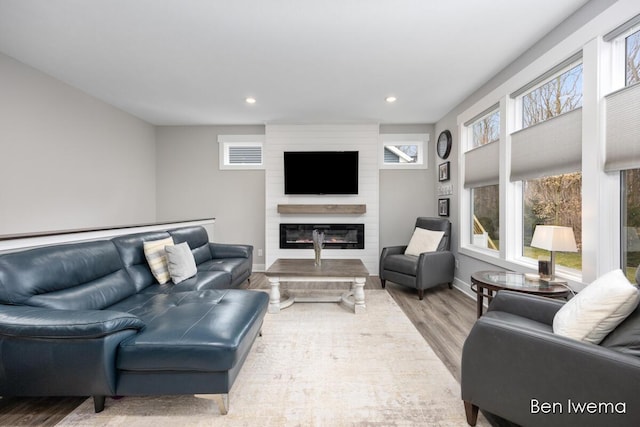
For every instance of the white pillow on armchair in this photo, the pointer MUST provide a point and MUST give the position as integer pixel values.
(423, 240)
(597, 309)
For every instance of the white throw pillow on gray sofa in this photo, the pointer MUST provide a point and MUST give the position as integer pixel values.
(181, 263)
(597, 309)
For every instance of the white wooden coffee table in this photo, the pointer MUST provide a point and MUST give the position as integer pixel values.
(305, 270)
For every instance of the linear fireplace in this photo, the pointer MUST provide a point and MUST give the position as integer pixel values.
(336, 236)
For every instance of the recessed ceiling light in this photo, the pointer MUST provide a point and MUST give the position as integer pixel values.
(250, 100)
(390, 99)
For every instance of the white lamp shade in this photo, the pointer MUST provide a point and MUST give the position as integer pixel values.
(554, 238)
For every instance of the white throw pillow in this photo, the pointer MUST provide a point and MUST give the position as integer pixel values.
(597, 309)
(182, 265)
(157, 258)
(423, 241)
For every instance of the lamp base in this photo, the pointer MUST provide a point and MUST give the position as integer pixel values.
(552, 281)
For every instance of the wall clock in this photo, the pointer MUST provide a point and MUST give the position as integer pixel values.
(443, 146)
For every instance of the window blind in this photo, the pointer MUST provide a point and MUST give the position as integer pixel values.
(245, 155)
(552, 147)
(612, 35)
(482, 165)
(623, 129)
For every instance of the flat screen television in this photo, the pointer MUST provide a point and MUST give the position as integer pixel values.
(321, 172)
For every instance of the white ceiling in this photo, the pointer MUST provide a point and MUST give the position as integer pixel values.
(305, 61)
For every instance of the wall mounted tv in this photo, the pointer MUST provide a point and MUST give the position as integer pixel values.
(321, 172)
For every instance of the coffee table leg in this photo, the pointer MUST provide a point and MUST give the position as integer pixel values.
(274, 295)
(358, 295)
(480, 293)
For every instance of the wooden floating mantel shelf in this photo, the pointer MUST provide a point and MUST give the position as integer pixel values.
(322, 209)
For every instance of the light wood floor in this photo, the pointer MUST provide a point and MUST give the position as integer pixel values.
(444, 318)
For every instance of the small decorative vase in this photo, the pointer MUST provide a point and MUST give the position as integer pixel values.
(318, 244)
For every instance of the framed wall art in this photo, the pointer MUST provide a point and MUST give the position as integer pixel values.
(443, 171)
(443, 207)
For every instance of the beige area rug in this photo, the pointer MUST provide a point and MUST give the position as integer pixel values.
(315, 365)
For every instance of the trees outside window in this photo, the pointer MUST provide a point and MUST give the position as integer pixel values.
(486, 130)
(561, 94)
(632, 69)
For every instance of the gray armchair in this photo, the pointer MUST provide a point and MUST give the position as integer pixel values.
(420, 272)
(515, 367)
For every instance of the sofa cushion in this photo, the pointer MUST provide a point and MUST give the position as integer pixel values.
(406, 264)
(79, 276)
(236, 267)
(423, 240)
(198, 241)
(131, 251)
(157, 258)
(207, 333)
(180, 261)
(596, 310)
(203, 280)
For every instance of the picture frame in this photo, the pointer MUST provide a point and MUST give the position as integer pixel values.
(443, 171)
(443, 207)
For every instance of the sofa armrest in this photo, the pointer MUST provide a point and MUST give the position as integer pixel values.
(224, 250)
(435, 268)
(36, 322)
(510, 371)
(534, 307)
(389, 250)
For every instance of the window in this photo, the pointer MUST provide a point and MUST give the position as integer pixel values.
(486, 217)
(542, 171)
(546, 159)
(630, 178)
(632, 59)
(622, 128)
(486, 129)
(560, 94)
(481, 176)
(630, 222)
(400, 153)
(403, 151)
(241, 151)
(553, 200)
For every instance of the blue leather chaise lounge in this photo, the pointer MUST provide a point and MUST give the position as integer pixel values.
(89, 319)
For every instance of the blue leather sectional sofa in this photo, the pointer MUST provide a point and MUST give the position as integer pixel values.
(89, 319)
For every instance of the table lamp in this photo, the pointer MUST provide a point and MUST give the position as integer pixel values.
(553, 238)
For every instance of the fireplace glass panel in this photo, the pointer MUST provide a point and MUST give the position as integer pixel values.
(336, 236)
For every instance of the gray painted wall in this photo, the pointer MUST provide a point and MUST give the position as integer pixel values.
(406, 194)
(68, 160)
(191, 185)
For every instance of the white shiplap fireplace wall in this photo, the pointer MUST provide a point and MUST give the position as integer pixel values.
(361, 138)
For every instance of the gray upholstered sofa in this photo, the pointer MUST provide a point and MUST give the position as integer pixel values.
(89, 319)
(514, 366)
